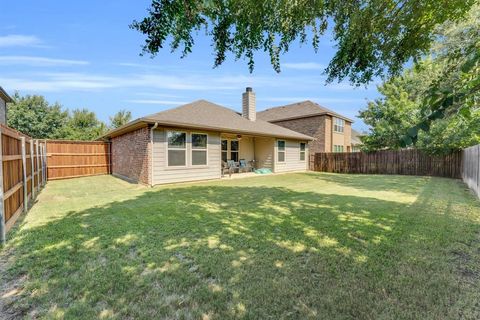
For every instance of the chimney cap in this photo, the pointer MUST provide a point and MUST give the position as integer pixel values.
(248, 89)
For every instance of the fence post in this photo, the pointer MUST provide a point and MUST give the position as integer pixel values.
(2, 209)
(41, 163)
(45, 173)
(32, 170)
(25, 181)
(37, 156)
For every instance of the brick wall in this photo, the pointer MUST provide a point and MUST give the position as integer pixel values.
(312, 126)
(131, 155)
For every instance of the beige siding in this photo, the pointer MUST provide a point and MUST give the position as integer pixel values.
(163, 174)
(292, 157)
(247, 149)
(264, 152)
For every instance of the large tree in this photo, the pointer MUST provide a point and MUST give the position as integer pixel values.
(373, 37)
(456, 87)
(34, 116)
(400, 108)
(84, 125)
(120, 118)
(436, 103)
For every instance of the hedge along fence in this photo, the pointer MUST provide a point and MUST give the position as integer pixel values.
(22, 174)
(70, 159)
(471, 168)
(402, 162)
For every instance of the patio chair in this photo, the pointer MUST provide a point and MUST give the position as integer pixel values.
(245, 166)
(226, 169)
(233, 166)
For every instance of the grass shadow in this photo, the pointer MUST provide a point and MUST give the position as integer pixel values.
(232, 251)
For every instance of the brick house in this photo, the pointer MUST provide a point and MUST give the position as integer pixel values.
(4, 99)
(194, 141)
(332, 131)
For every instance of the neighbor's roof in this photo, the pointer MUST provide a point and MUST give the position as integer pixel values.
(4, 95)
(355, 139)
(297, 110)
(206, 115)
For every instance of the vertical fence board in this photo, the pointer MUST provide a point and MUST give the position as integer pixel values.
(471, 168)
(403, 162)
(71, 159)
(18, 168)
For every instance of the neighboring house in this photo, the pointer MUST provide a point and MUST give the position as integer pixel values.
(4, 99)
(190, 142)
(356, 141)
(332, 131)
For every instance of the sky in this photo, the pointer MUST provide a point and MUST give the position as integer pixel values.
(83, 54)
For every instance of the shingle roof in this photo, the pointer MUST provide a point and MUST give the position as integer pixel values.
(206, 115)
(4, 95)
(355, 139)
(296, 110)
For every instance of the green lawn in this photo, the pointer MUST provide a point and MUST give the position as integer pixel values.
(293, 246)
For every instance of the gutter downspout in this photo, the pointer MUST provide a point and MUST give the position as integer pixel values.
(151, 154)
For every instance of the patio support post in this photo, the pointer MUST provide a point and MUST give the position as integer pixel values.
(2, 209)
(25, 184)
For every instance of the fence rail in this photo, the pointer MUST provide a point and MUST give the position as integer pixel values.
(471, 168)
(402, 162)
(71, 159)
(22, 174)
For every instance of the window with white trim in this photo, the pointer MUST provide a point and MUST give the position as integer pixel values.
(338, 125)
(224, 150)
(281, 151)
(337, 148)
(199, 149)
(234, 150)
(303, 148)
(176, 148)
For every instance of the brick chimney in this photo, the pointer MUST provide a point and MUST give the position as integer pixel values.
(248, 104)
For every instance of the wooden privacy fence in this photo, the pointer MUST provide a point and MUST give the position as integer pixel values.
(71, 159)
(402, 162)
(22, 174)
(471, 168)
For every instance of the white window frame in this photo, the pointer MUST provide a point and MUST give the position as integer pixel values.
(192, 149)
(338, 125)
(337, 147)
(284, 151)
(304, 151)
(230, 149)
(177, 149)
(221, 150)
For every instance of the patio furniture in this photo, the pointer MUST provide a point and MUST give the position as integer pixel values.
(233, 166)
(245, 166)
(226, 169)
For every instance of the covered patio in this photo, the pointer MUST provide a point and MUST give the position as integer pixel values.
(242, 154)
